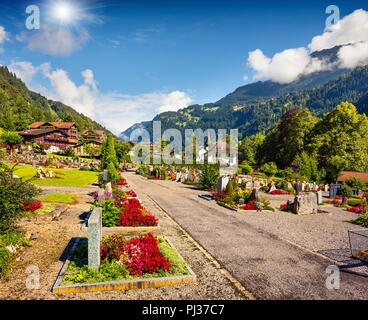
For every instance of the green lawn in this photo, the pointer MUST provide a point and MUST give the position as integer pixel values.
(69, 177)
(58, 197)
(46, 208)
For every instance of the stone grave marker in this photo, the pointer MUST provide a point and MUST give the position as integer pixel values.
(104, 177)
(222, 183)
(94, 237)
(319, 197)
(101, 195)
(108, 188)
(305, 204)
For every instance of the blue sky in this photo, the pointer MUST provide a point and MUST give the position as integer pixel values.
(123, 61)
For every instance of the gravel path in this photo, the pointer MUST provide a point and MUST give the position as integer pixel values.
(47, 254)
(263, 250)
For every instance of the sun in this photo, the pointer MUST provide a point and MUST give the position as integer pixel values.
(63, 11)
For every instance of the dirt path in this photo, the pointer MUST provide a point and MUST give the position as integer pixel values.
(54, 236)
(267, 266)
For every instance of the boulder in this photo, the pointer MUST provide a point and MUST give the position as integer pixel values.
(305, 204)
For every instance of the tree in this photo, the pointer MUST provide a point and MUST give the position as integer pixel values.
(308, 167)
(108, 153)
(340, 141)
(345, 191)
(209, 176)
(122, 149)
(249, 148)
(270, 169)
(11, 138)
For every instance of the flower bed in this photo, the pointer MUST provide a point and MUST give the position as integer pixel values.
(140, 262)
(126, 214)
(279, 192)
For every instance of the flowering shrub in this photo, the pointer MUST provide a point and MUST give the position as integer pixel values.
(133, 214)
(249, 206)
(131, 193)
(356, 209)
(32, 205)
(140, 254)
(280, 192)
(283, 206)
(121, 182)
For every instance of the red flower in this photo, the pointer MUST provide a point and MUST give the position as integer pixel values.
(280, 192)
(32, 205)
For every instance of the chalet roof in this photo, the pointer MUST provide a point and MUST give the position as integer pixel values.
(60, 125)
(97, 132)
(346, 175)
(36, 132)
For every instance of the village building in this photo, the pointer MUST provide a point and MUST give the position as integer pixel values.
(57, 135)
(92, 140)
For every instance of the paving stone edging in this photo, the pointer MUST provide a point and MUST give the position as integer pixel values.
(144, 283)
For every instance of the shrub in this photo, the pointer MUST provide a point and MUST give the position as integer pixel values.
(209, 176)
(13, 194)
(245, 168)
(110, 213)
(345, 190)
(163, 174)
(356, 183)
(270, 169)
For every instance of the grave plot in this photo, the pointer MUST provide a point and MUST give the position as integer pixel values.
(118, 263)
(122, 211)
(232, 196)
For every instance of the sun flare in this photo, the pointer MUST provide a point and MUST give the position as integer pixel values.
(63, 11)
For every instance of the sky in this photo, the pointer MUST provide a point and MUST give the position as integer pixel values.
(122, 62)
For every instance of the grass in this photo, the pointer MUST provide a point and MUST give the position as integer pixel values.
(13, 237)
(67, 177)
(59, 198)
(361, 221)
(46, 208)
(79, 272)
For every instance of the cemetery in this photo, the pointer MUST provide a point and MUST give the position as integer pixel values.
(120, 244)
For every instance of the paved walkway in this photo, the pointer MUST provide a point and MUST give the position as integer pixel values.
(267, 266)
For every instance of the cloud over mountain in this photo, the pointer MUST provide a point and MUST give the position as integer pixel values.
(351, 32)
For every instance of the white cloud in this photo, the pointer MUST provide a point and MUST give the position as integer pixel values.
(353, 55)
(114, 110)
(82, 98)
(4, 35)
(174, 101)
(26, 70)
(350, 29)
(288, 65)
(285, 66)
(53, 40)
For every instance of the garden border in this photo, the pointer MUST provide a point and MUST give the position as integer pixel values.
(143, 283)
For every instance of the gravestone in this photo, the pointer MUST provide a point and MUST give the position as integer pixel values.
(305, 204)
(326, 188)
(254, 196)
(273, 187)
(289, 185)
(222, 183)
(101, 195)
(334, 189)
(249, 185)
(94, 237)
(256, 184)
(108, 188)
(319, 197)
(104, 177)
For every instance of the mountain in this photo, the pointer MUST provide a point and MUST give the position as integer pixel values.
(20, 106)
(125, 136)
(257, 106)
